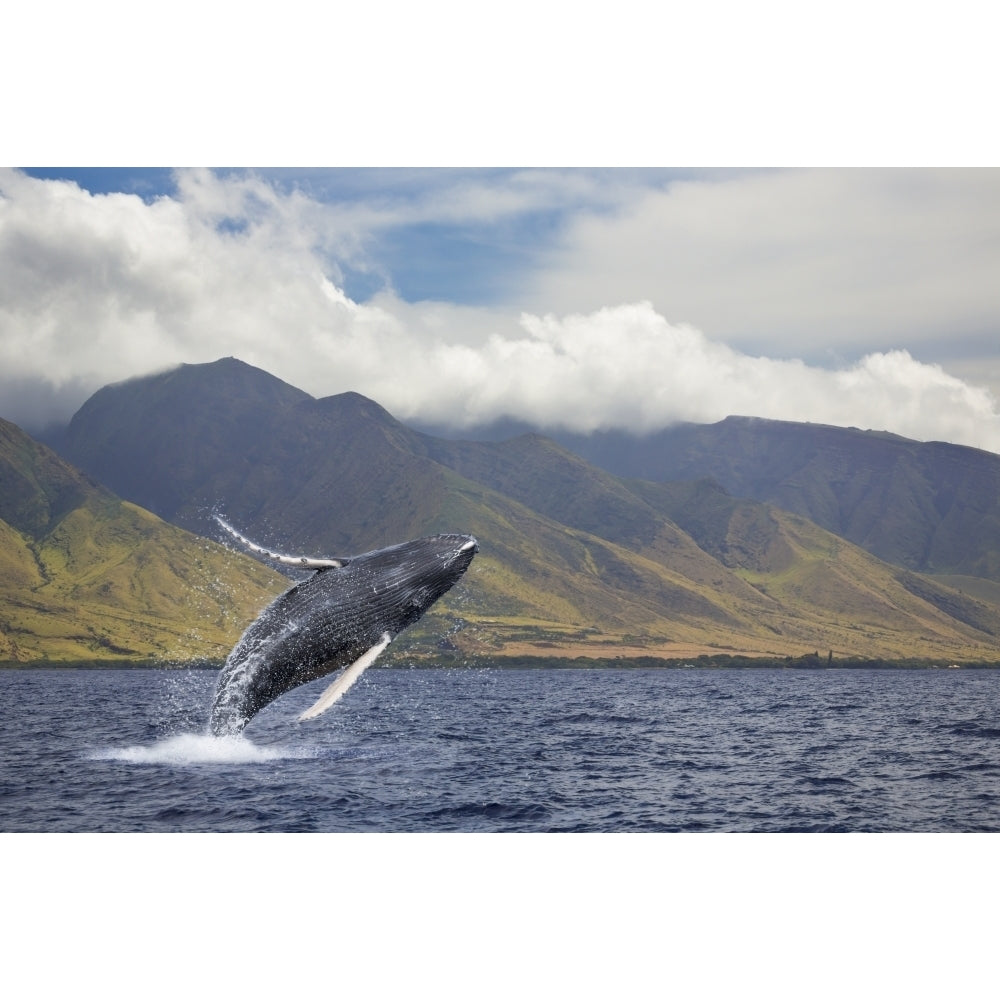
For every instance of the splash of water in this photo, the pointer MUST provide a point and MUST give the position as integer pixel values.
(195, 748)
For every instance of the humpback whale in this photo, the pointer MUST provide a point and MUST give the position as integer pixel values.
(343, 616)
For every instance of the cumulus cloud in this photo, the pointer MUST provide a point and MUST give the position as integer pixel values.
(97, 288)
(627, 367)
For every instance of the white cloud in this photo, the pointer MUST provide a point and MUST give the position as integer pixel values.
(628, 367)
(98, 288)
(796, 262)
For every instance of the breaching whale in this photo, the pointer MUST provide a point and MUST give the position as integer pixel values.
(343, 616)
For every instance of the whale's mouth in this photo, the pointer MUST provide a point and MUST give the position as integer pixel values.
(457, 557)
(463, 554)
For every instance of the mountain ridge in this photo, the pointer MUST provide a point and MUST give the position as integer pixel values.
(931, 507)
(570, 554)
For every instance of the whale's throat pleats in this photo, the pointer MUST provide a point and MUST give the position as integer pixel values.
(345, 680)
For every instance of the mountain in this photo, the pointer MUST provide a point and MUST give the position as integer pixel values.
(85, 575)
(572, 558)
(930, 507)
(801, 565)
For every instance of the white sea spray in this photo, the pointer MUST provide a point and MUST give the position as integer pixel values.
(194, 748)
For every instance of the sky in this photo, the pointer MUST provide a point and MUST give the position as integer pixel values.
(569, 298)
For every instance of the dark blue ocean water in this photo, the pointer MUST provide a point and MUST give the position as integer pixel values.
(489, 749)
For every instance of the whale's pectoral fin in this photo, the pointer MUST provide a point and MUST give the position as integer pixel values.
(304, 562)
(345, 680)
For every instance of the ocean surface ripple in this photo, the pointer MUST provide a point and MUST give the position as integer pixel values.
(502, 750)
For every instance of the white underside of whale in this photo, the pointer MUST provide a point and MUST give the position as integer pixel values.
(345, 681)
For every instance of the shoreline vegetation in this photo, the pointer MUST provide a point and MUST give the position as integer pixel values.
(806, 661)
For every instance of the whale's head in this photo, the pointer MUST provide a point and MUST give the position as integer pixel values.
(408, 578)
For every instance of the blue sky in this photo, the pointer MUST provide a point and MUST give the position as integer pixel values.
(453, 260)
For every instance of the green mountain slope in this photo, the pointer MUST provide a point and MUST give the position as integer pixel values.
(931, 507)
(812, 574)
(84, 575)
(571, 557)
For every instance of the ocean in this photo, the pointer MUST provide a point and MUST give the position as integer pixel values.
(487, 749)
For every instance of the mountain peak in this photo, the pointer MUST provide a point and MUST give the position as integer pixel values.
(234, 374)
(354, 404)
